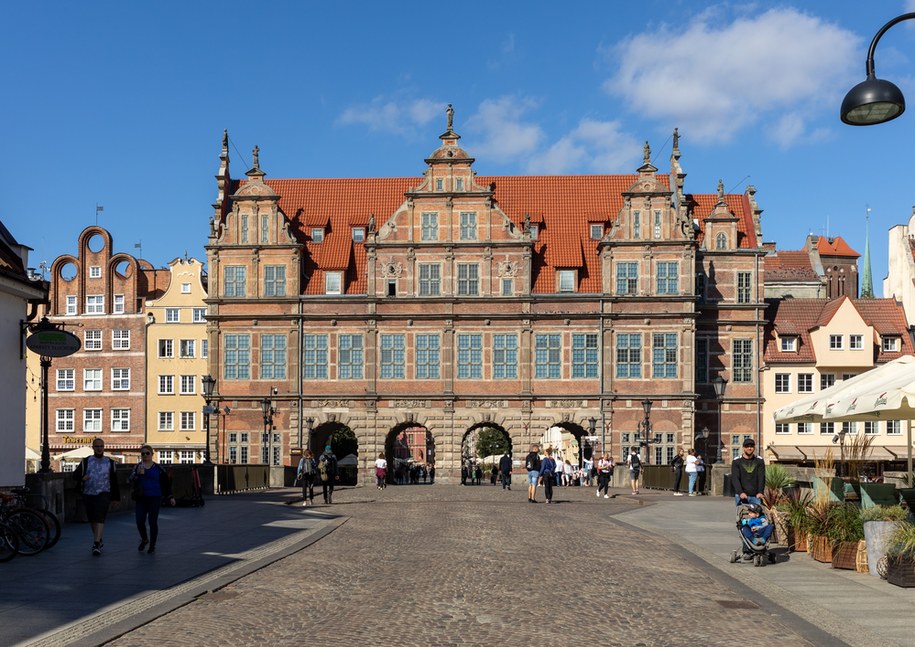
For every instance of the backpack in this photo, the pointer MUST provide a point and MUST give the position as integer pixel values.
(322, 469)
(308, 467)
(635, 461)
(529, 463)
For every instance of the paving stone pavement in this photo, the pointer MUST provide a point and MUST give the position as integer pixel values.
(452, 565)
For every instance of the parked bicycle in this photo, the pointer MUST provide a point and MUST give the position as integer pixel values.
(9, 543)
(29, 525)
(39, 503)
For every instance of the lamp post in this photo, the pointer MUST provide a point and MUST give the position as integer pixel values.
(718, 383)
(309, 426)
(840, 438)
(267, 440)
(645, 438)
(592, 427)
(209, 383)
(874, 101)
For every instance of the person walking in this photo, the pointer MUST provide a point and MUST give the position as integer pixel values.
(305, 474)
(532, 465)
(381, 471)
(676, 466)
(97, 481)
(604, 472)
(692, 473)
(634, 461)
(505, 470)
(700, 479)
(327, 470)
(150, 486)
(547, 474)
(748, 475)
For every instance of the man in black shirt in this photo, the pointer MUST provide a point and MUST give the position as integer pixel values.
(505, 470)
(748, 475)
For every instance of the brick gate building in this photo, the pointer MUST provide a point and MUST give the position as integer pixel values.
(453, 301)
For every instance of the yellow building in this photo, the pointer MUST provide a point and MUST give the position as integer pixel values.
(176, 354)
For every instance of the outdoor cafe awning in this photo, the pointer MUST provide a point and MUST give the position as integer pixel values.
(812, 452)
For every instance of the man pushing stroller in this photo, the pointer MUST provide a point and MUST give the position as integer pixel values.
(748, 475)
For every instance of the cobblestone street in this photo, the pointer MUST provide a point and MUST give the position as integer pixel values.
(451, 565)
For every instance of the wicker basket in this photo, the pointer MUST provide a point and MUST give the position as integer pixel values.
(820, 548)
(861, 558)
(845, 555)
(784, 532)
(800, 542)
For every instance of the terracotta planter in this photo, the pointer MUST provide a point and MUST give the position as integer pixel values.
(820, 548)
(900, 571)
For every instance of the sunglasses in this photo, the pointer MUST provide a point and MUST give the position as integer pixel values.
(146, 453)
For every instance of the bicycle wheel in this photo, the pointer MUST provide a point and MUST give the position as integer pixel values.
(53, 526)
(31, 528)
(9, 543)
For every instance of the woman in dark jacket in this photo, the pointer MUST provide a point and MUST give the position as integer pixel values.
(677, 465)
(150, 485)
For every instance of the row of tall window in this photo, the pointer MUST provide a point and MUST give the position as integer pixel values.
(187, 348)
(119, 420)
(632, 352)
(93, 379)
(869, 427)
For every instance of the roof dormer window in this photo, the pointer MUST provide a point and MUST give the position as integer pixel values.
(317, 234)
(358, 234)
(891, 344)
(535, 231)
(789, 344)
(597, 231)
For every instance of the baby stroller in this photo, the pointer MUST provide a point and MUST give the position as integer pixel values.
(754, 543)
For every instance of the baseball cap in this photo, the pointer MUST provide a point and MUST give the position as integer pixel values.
(749, 442)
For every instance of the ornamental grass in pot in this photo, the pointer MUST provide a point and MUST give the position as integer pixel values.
(879, 524)
(900, 553)
(791, 515)
(845, 531)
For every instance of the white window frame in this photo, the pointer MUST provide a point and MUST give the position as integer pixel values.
(801, 386)
(120, 339)
(172, 315)
(95, 304)
(333, 283)
(188, 421)
(71, 305)
(185, 288)
(95, 272)
(120, 379)
(187, 385)
(890, 344)
(856, 342)
(92, 421)
(199, 315)
(837, 342)
(92, 340)
(783, 382)
(166, 421)
(66, 379)
(788, 344)
(597, 231)
(118, 307)
(317, 234)
(187, 348)
(166, 348)
(166, 385)
(120, 420)
(358, 234)
(565, 280)
(92, 379)
(64, 420)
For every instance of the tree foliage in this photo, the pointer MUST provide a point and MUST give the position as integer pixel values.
(491, 441)
(343, 442)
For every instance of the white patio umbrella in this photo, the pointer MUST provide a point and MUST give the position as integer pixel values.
(813, 407)
(890, 398)
(75, 454)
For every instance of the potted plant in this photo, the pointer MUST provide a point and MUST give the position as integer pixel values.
(845, 530)
(791, 520)
(900, 563)
(879, 523)
(819, 546)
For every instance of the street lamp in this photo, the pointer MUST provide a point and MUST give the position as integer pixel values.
(718, 384)
(209, 383)
(874, 101)
(840, 438)
(309, 426)
(267, 441)
(645, 429)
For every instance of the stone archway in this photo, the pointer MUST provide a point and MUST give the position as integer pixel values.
(566, 437)
(409, 449)
(344, 444)
(470, 459)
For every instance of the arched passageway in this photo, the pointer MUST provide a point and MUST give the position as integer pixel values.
(481, 447)
(409, 449)
(343, 444)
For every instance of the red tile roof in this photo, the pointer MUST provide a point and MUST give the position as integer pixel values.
(789, 266)
(799, 317)
(563, 206)
(835, 247)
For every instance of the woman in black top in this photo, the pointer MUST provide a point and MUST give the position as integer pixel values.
(677, 466)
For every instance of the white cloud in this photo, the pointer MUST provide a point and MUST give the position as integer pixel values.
(393, 116)
(505, 135)
(593, 146)
(714, 79)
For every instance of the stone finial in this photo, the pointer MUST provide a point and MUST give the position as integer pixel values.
(646, 153)
(450, 114)
(720, 191)
(676, 138)
(256, 155)
(371, 227)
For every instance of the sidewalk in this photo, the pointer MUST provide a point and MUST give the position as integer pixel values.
(66, 596)
(858, 608)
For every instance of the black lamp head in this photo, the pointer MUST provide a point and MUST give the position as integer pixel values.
(873, 101)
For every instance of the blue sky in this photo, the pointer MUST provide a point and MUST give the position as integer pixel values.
(123, 104)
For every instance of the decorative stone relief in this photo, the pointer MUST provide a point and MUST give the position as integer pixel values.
(391, 268)
(334, 404)
(487, 404)
(410, 404)
(566, 404)
(508, 269)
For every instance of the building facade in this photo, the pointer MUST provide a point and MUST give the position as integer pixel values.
(900, 281)
(452, 302)
(810, 345)
(176, 352)
(100, 391)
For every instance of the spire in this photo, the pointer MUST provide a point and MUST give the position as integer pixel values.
(867, 282)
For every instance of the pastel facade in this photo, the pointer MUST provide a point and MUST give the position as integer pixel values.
(812, 344)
